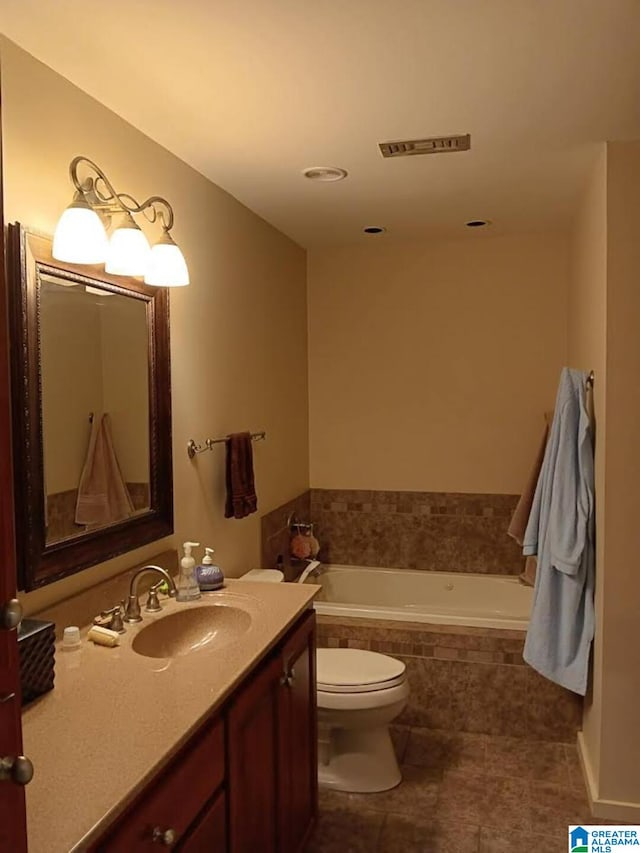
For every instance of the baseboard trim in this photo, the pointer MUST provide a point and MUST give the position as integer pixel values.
(607, 809)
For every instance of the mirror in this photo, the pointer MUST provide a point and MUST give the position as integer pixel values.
(92, 412)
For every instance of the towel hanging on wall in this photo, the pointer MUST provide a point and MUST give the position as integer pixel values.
(561, 532)
(520, 517)
(241, 491)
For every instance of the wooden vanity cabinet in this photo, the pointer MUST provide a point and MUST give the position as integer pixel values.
(272, 749)
(247, 781)
(174, 801)
(252, 747)
(298, 739)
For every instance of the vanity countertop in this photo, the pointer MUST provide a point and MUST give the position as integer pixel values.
(116, 717)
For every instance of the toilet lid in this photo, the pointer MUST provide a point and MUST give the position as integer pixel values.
(356, 671)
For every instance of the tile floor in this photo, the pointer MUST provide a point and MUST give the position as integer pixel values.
(461, 793)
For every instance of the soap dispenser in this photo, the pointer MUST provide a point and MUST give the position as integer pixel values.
(188, 589)
(209, 576)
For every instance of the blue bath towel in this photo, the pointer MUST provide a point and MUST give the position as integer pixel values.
(560, 532)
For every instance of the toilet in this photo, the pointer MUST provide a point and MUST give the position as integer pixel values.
(359, 694)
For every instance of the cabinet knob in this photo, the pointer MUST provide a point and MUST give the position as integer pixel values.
(11, 614)
(288, 678)
(18, 770)
(164, 836)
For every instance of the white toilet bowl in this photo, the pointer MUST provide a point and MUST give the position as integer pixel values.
(359, 694)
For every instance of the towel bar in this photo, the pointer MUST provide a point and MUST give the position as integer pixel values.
(193, 448)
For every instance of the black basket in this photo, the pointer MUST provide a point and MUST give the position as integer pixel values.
(36, 645)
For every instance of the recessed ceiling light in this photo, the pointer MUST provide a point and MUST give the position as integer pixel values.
(325, 174)
(374, 229)
(477, 223)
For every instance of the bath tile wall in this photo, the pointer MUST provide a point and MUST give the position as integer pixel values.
(465, 679)
(276, 535)
(430, 531)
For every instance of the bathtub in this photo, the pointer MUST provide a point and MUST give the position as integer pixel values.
(441, 598)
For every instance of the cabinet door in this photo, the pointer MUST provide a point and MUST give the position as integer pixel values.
(298, 762)
(13, 831)
(252, 727)
(209, 835)
(174, 800)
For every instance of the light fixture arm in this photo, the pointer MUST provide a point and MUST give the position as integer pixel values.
(102, 196)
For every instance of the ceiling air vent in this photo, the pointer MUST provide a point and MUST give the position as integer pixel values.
(435, 145)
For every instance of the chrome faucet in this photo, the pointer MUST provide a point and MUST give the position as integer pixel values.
(313, 569)
(132, 611)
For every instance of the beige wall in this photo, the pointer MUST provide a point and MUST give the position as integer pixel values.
(431, 365)
(587, 351)
(604, 310)
(619, 768)
(238, 333)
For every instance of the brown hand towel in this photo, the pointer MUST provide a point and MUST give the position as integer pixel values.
(520, 517)
(241, 491)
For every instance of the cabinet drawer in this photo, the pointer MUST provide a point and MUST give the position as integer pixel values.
(175, 800)
(210, 832)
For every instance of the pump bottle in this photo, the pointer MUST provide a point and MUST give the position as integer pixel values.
(188, 589)
(209, 576)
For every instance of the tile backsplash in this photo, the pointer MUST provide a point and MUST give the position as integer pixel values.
(429, 531)
(276, 535)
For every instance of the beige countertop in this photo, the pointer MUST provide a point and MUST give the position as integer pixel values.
(115, 717)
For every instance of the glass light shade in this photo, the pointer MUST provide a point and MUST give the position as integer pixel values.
(167, 266)
(80, 237)
(128, 251)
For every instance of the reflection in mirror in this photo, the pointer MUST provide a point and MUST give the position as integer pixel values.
(95, 406)
(91, 412)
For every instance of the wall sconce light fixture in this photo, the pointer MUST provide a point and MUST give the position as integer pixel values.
(81, 236)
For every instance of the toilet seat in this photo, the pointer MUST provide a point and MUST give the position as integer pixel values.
(357, 671)
(364, 700)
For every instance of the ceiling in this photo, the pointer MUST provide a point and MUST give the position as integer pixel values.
(252, 92)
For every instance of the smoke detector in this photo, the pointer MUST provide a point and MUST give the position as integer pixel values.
(325, 174)
(431, 145)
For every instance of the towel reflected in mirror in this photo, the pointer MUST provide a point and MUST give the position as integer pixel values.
(103, 497)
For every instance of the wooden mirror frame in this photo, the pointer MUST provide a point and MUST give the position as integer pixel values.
(40, 563)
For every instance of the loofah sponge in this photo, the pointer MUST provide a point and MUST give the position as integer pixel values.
(301, 546)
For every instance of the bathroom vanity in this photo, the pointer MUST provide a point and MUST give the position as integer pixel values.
(211, 750)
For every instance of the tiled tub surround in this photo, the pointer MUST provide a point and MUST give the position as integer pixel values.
(430, 531)
(465, 679)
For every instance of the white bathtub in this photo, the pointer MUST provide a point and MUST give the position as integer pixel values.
(444, 598)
